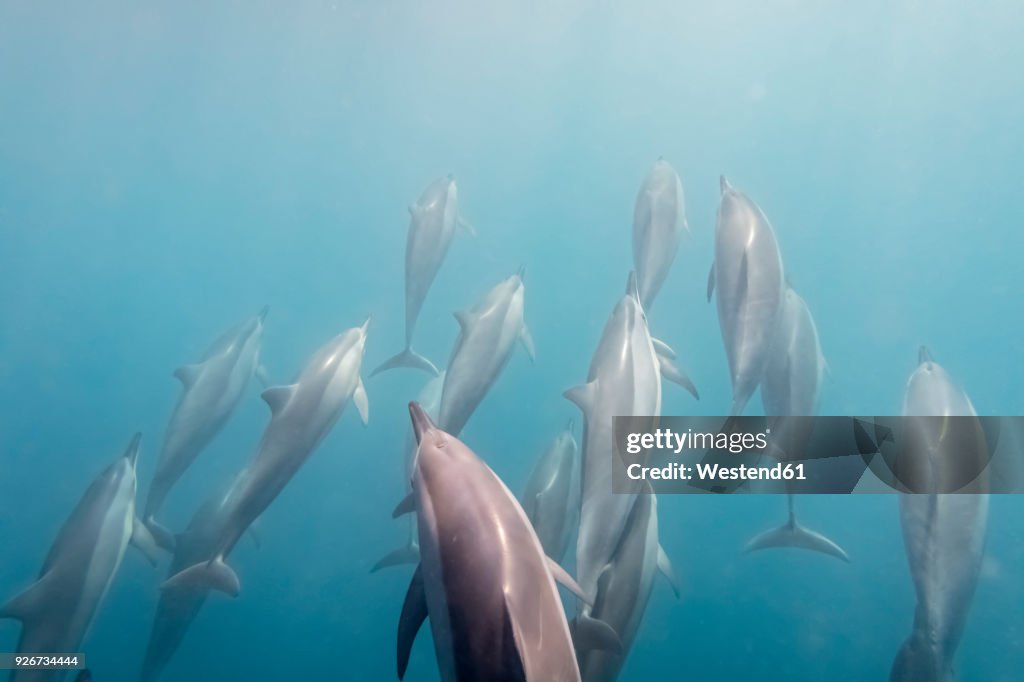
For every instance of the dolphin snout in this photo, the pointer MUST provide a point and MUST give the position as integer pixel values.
(421, 421)
(132, 452)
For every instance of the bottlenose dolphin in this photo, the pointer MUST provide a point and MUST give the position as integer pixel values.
(430, 400)
(551, 499)
(944, 535)
(211, 389)
(791, 387)
(177, 609)
(57, 610)
(489, 331)
(624, 380)
(483, 580)
(431, 228)
(748, 275)
(624, 590)
(658, 223)
(302, 414)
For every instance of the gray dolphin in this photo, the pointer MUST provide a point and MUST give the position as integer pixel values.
(57, 610)
(177, 609)
(624, 380)
(211, 389)
(302, 415)
(791, 387)
(489, 332)
(624, 589)
(484, 580)
(430, 400)
(748, 275)
(944, 535)
(431, 228)
(659, 221)
(551, 499)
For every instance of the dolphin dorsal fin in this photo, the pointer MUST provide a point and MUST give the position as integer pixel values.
(30, 602)
(278, 396)
(465, 320)
(414, 612)
(583, 396)
(187, 374)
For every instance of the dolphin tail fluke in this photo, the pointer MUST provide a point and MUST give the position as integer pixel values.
(590, 634)
(409, 554)
(792, 534)
(163, 537)
(407, 358)
(211, 575)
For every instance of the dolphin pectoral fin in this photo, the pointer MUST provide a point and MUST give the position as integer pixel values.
(362, 402)
(263, 376)
(677, 376)
(591, 634)
(163, 537)
(711, 282)
(406, 506)
(583, 396)
(407, 358)
(466, 226)
(187, 374)
(409, 554)
(277, 397)
(527, 340)
(414, 612)
(665, 567)
(663, 349)
(209, 575)
(795, 535)
(562, 577)
(144, 541)
(29, 602)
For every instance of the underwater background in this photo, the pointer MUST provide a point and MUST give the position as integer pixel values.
(167, 170)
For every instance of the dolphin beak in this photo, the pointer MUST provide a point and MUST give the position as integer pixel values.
(421, 422)
(132, 453)
(263, 312)
(365, 325)
(631, 286)
(521, 272)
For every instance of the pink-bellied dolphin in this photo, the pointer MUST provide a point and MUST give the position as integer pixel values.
(483, 579)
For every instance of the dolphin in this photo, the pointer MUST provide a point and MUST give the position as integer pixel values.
(57, 610)
(624, 380)
(483, 579)
(431, 228)
(430, 400)
(791, 387)
(302, 414)
(747, 272)
(658, 224)
(944, 535)
(177, 609)
(551, 499)
(489, 331)
(211, 389)
(624, 590)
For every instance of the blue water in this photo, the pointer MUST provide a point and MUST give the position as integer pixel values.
(167, 170)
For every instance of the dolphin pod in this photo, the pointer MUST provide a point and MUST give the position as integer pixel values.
(659, 222)
(748, 278)
(483, 580)
(624, 589)
(624, 379)
(301, 416)
(488, 333)
(211, 389)
(430, 400)
(57, 610)
(431, 228)
(791, 387)
(944, 535)
(551, 499)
